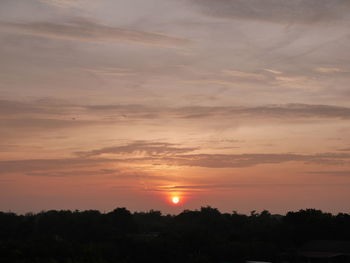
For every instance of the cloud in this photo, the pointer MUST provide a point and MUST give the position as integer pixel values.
(280, 11)
(114, 72)
(89, 163)
(344, 149)
(131, 111)
(244, 75)
(230, 186)
(140, 147)
(42, 114)
(41, 123)
(286, 79)
(286, 111)
(8, 107)
(63, 3)
(289, 111)
(46, 114)
(273, 71)
(249, 160)
(329, 70)
(204, 187)
(86, 30)
(74, 173)
(332, 173)
(39, 165)
(191, 188)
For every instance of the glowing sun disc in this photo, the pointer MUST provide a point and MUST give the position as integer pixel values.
(175, 200)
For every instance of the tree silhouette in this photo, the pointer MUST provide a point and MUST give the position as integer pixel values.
(204, 235)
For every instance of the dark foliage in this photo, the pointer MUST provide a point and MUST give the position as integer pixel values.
(192, 236)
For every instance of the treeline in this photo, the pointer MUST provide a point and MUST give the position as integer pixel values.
(204, 235)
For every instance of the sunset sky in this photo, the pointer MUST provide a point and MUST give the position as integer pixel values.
(237, 104)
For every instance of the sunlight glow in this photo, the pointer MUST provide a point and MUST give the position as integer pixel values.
(175, 200)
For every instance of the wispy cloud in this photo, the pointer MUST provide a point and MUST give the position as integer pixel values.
(249, 160)
(158, 154)
(273, 71)
(44, 123)
(289, 79)
(41, 115)
(63, 3)
(281, 11)
(331, 173)
(74, 173)
(86, 30)
(10, 107)
(330, 70)
(288, 111)
(244, 75)
(39, 165)
(344, 149)
(140, 147)
(208, 187)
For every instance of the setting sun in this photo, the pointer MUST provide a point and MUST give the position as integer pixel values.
(175, 200)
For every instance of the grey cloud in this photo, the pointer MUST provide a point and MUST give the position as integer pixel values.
(73, 173)
(73, 167)
(230, 186)
(111, 173)
(85, 30)
(141, 147)
(41, 123)
(249, 160)
(284, 11)
(8, 107)
(46, 115)
(198, 187)
(289, 111)
(41, 114)
(192, 188)
(165, 156)
(131, 111)
(39, 165)
(63, 3)
(344, 149)
(43, 106)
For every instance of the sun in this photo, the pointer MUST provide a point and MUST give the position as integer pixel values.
(175, 200)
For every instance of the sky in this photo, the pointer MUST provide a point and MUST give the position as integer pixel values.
(238, 104)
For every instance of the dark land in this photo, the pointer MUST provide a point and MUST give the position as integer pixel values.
(204, 235)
